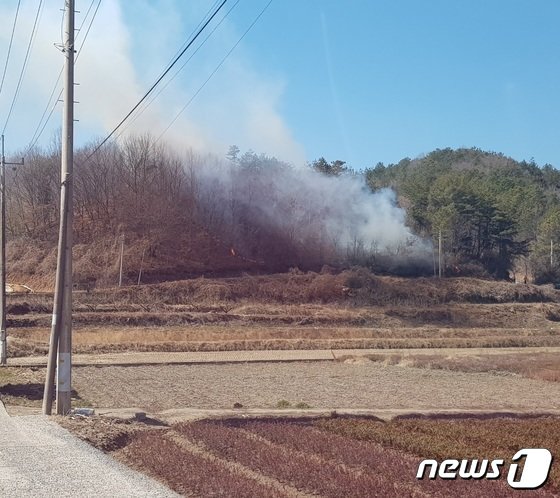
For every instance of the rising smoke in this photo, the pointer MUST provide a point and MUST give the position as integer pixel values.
(267, 209)
(274, 211)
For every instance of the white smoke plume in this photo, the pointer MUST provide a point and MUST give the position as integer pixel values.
(334, 217)
(127, 48)
(318, 217)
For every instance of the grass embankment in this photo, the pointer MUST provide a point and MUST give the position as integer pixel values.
(351, 309)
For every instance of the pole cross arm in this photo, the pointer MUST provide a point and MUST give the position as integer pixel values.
(19, 163)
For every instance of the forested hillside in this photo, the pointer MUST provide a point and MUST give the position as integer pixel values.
(189, 215)
(490, 209)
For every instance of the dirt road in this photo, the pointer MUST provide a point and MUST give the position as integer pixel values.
(155, 358)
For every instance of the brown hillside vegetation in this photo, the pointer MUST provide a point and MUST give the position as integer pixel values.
(96, 264)
(357, 286)
(179, 216)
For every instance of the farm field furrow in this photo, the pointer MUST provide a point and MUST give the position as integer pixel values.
(354, 455)
(471, 438)
(327, 457)
(300, 470)
(189, 473)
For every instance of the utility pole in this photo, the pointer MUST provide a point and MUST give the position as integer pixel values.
(439, 253)
(3, 343)
(60, 346)
(551, 254)
(121, 261)
(141, 265)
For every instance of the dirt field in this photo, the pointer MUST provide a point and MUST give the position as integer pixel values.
(318, 384)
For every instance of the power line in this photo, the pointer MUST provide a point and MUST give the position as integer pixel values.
(23, 68)
(147, 104)
(42, 125)
(215, 70)
(89, 25)
(150, 102)
(181, 53)
(39, 130)
(214, 5)
(9, 47)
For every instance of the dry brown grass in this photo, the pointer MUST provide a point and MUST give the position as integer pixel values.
(297, 310)
(351, 286)
(540, 365)
(235, 337)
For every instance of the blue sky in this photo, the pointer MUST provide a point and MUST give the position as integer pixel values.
(362, 81)
(410, 76)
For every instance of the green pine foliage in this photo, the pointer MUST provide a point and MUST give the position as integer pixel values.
(489, 208)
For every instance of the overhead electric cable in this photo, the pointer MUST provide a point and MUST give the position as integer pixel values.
(42, 125)
(89, 25)
(23, 68)
(215, 70)
(181, 53)
(39, 130)
(9, 47)
(154, 97)
(202, 21)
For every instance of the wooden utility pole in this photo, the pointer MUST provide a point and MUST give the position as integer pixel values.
(439, 253)
(121, 261)
(141, 265)
(60, 346)
(3, 343)
(551, 254)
